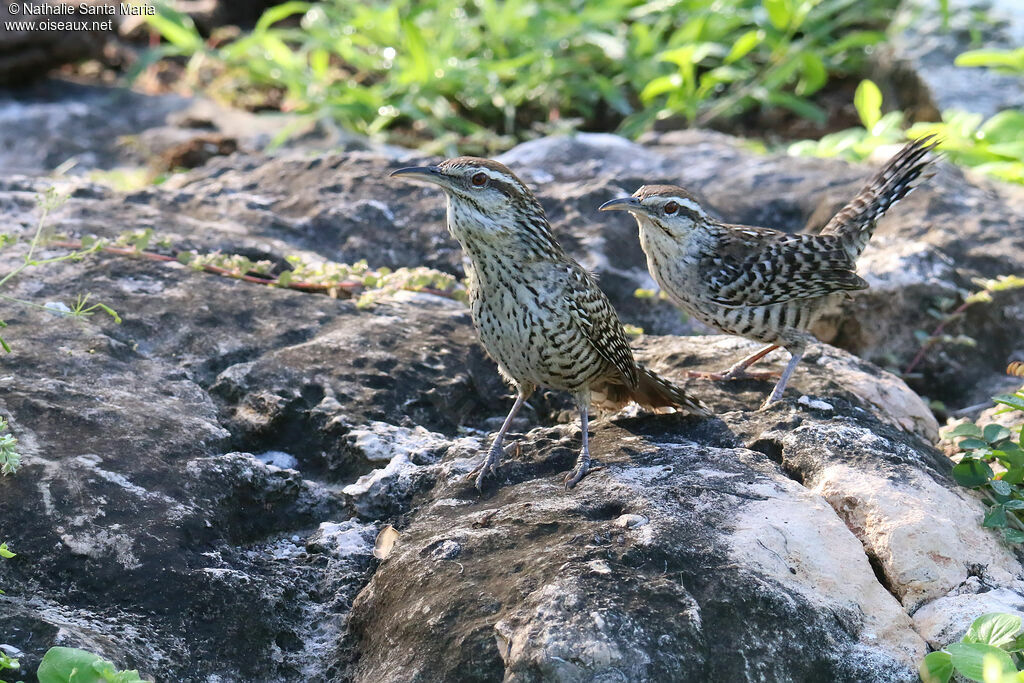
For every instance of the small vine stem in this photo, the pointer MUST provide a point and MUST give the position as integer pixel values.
(935, 333)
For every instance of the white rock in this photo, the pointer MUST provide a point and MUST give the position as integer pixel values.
(927, 537)
(790, 551)
(945, 620)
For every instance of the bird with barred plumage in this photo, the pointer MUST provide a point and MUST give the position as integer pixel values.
(764, 284)
(539, 314)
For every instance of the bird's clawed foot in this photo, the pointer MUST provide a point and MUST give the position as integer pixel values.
(488, 466)
(584, 466)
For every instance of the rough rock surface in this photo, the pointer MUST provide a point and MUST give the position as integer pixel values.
(686, 557)
(203, 483)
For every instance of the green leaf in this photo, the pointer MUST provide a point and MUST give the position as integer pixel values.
(1012, 60)
(856, 39)
(971, 444)
(1001, 487)
(868, 102)
(995, 518)
(71, 665)
(814, 73)
(969, 659)
(937, 667)
(971, 472)
(779, 13)
(4, 552)
(965, 429)
(743, 45)
(994, 433)
(1010, 451)
(418, 53)
(177, 28)
(1013, 535)
(1010, 400)
(1006, 126)
(994, 629)
(279, 12)
(660, 86)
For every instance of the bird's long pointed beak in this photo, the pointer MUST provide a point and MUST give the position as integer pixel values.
(431, 174)
(622, 204)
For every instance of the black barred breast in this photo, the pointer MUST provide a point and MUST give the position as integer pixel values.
(526, 321)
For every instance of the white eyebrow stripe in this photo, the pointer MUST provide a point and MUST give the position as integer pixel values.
(496, 175)
(689, 204)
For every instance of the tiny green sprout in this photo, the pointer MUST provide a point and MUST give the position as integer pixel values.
(82, 309)
(10, 459)
(50, 200)
(7, 662)
(68, 664)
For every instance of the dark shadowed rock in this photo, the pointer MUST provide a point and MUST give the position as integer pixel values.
(57, 124)
(28, 51)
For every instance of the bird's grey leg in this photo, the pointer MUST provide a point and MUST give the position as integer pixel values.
(781, 386)
(739, 369)
(582, 462)
(490, 463)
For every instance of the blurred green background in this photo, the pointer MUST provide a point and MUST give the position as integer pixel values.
(478, 76)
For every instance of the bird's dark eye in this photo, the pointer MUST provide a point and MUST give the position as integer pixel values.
(671, 208)
(479, 179)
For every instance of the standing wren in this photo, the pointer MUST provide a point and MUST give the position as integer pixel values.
(539, 314)
(758, 283)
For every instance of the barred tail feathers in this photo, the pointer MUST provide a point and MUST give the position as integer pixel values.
(651, 391)
(855, 222)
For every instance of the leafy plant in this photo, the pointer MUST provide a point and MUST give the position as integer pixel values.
(857, 144)
(8, 663)
(774, 53)
(71, 665)
(47, 202)
(1005, 61)
(990, 652)
(993, 463)
(994, 146)
(483, 74)
(10, 459)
